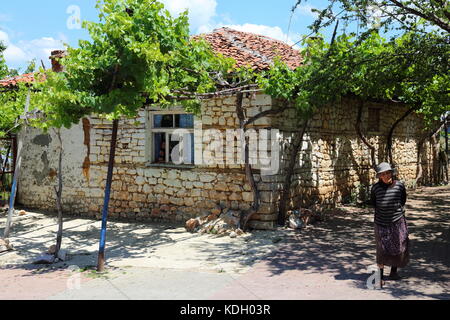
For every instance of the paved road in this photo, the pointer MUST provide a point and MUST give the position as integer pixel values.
(328, 260)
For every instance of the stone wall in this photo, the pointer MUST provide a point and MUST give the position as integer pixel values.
(140, 190)
(333, 164)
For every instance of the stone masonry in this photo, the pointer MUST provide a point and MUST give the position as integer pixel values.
(333, 164)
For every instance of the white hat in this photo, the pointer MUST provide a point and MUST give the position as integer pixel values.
(383, 167)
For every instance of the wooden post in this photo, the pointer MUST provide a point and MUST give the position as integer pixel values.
(101, 252)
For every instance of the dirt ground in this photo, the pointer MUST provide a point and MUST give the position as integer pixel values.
(136, 244)
(327, 260)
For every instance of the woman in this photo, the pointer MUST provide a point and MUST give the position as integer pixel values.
(388, 196)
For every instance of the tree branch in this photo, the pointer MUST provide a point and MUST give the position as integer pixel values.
(289, 172)
(391, 133)
(360, 134)
(265, 113)
(431, 18)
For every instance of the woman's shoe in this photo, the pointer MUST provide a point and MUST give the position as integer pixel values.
(394, 277)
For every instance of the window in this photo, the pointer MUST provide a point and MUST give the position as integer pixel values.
(171, 138)
(373, 123)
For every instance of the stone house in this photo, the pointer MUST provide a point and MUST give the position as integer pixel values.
(149, 185)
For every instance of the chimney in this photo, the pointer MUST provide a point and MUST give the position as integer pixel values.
(56, 55)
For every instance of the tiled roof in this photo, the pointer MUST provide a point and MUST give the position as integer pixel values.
(30, 77)
(246, 48)
(11, 82)
(251, 49)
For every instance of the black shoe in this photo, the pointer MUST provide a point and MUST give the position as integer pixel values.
(394, 277)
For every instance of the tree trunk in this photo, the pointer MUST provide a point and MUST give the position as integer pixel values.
(435, 149)
(361, 135)
(112, 153)
(296, 147)
(391, 133)
(426, 136)
(245, 216)
(243, 123)
(419, 170)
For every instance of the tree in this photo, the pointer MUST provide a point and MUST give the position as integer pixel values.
(416, 65)
(3, 66)
(138, 54)
(412, 70)
(407, 15)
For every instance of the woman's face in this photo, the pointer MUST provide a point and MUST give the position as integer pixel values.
(386, 177)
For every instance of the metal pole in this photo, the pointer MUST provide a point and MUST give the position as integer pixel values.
(101, 252)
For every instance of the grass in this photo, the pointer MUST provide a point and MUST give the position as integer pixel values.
(91, 272)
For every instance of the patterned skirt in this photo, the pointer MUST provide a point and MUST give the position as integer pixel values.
(392, 244)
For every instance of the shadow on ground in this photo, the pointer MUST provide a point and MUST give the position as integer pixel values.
(345, 246)
(152, 243)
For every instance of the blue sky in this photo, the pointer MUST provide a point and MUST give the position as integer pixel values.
(31, 29)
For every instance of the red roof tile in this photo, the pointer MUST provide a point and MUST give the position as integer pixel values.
(246, 48)
(251, 49)
(11, 82)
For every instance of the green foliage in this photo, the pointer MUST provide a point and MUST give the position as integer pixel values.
(4, 70)
(12, 104)
(31, 66)
(138, 54)
(12, 100)
(3, 67)
(387, 15)
(412, 69)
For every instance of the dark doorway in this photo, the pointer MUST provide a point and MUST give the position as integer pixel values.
(8, 151)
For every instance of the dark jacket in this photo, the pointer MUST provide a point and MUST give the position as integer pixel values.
(389, 201)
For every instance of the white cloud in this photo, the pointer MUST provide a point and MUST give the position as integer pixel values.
(203, 15)
(20, 53)
(273, 32)
(12, 53)
(306, 10)
(201, 12)
(4, 36)
(268, 31)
